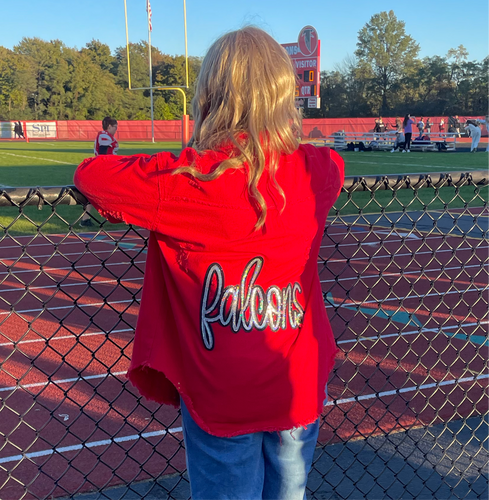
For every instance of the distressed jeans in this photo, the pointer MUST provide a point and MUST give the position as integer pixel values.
(256, 466)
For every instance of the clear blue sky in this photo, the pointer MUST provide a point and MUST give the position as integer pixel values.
(436, 25)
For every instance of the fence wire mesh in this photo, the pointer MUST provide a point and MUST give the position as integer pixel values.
(403, 267)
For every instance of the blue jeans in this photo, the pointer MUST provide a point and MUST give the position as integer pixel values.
(261, 465)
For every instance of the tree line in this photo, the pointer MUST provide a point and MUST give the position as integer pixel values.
(47, 80)
(42, 80)
(385, 77)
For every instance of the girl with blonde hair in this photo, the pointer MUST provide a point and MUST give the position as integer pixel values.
(232, 325)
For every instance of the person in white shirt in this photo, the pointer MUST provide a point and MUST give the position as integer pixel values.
(474, 132)
(400, 141)
(421, 127)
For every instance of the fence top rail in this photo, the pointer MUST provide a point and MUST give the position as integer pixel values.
(69, 195)
(416, 181)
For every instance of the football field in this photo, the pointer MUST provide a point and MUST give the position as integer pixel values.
(54, 163)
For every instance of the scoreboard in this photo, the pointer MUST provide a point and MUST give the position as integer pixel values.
(305, 56)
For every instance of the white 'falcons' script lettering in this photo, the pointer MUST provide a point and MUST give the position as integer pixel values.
(247, 305)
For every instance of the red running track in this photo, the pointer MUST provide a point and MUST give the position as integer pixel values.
(408, 310)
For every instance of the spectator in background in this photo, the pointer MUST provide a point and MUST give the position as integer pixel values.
(427, 127)
(400, 141)
(407, 125)
(18, 130)
(441, 126)
(381, 125)
(315, 133)
(474, 131)
(376, 126)
(456, 125)
(398, 125)
(420, 127)
(451, 125)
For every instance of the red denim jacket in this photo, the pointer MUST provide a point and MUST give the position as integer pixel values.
(231, 319)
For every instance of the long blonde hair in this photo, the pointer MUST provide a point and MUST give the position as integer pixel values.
(245, 96)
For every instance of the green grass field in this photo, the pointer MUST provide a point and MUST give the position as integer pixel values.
(53, 164)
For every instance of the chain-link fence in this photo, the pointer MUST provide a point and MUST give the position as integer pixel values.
(403, 266)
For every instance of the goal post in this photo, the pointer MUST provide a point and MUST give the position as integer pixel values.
(177, 88)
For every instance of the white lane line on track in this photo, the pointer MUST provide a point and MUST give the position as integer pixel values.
(385, 243)
(328, 306)
(37, 158)
(405, 273)
(61, 287)
(63, 235)
(76, 254)
(390, 241)
(98, 304)
(57, 253)
(90, 444)
(94, 304)
(134, 437)
(356, 258)
(412, 332)
(64, 337)
(53, 269)
(62, 381)
(73, 241)
(352, 303)
(407, 389)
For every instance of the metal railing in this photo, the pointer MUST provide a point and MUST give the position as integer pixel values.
(403, 267)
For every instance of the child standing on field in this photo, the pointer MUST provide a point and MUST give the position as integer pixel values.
(232, 324)
(420, 127)
(105, 144)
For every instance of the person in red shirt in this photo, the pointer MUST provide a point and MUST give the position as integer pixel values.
(105, 144)
(232, 325)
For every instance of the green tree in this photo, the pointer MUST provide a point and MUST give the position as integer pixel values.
(50, 71)
(100, 54)
(171, 72)
(384, 51)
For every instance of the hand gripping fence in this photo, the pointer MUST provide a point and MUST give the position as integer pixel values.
(403, 268)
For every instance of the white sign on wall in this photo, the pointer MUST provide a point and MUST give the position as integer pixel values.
(41, 130)
(314, 102)
(6, 130)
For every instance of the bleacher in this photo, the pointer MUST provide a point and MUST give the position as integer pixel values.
(385, 141)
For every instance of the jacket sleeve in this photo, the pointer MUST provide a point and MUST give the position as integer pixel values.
(328, 169)
(124, 188)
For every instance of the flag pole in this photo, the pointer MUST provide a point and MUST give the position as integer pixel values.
(148, 8)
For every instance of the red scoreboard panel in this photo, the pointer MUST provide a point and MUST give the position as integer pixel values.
(305, 56)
